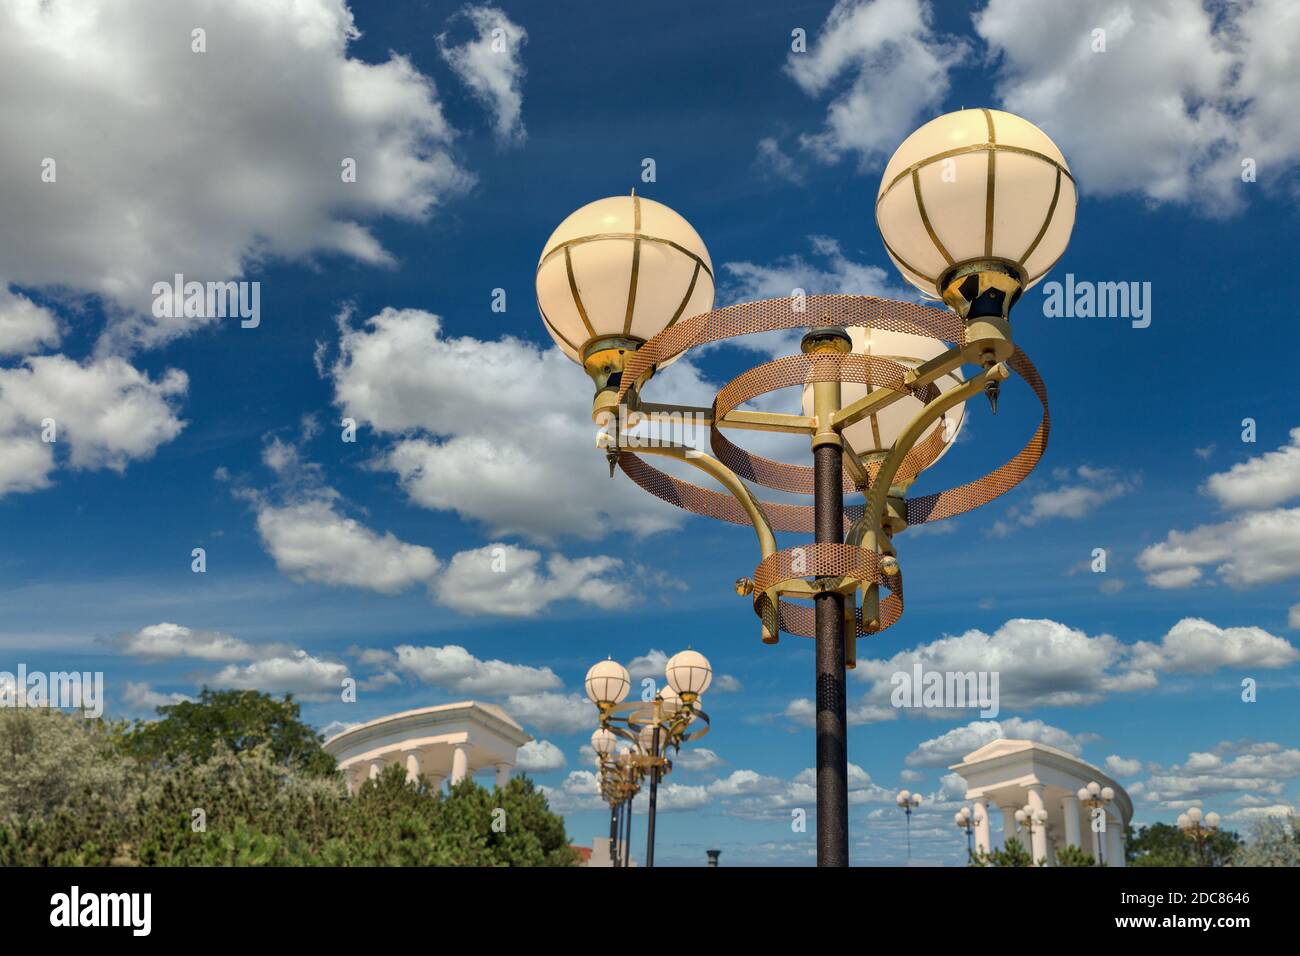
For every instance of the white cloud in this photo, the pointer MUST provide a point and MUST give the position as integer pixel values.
(256, 129)
(456, 669)
(725, 684)
(829, 271)
(491, 66)
(140, 695)
(579, 791)
(1256, 768)
(898, 68)
(24, 326)
(803, 711)
(300, 673)
(553, 713)
(166, 640)
(312, 541)
(1076, 496)
(650, 664)
(1293, 617)
(1261, 482)
(1251, 549)
(1184, 92)
(539, 756)
(697, 759)
(106, 413)
(1118, 766)
(950, 747)
(1195, 646)
(510, 581)
(490, 429)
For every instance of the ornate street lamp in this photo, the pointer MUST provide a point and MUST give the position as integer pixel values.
(1096, 797)
(1198, 830)
(974, 208)
(651, 727)
(908, 801)
(965, 820)
(1028, 818)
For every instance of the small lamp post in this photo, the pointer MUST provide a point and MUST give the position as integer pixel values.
(650, 728)
(1095, 797)
(1029, 819)
(965, 820)
(1197, 829)
(908, 801)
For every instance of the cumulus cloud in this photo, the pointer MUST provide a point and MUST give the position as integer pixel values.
(1258, 769)
(1252, 549)
(491, 66)
(1195, 646)
(897, 67)
(509, 581)
(579, 791)
(257, 161)
(167, 640)
(1261, 482)
(140, 695)
(299, 673)
(490, 428)
(1122, 766)
(828, 270)
(697, 759)
(950, 747)
(104, 413)
(552, 712)
(539, 756)
(25, 326)
(456, 669)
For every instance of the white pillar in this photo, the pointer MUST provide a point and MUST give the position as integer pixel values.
(1114, 841)
(412, 766)
(1038, 838)
(1070, 807)
(1009, 826)
(376, 768)
(1098, 839)
(982, 843)
(503, 775)
(459, 763)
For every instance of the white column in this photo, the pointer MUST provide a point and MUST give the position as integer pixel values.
(982, 826)
(1114, 841)
(376, 768)
(1038, 840)
(412, 766)
(1098, 839)
(459, 763)
(1070, 807)
(1009, 826)
(503, 775)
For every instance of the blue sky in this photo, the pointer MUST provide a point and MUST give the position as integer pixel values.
(325, 557)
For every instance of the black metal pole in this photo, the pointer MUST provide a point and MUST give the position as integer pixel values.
(654, 792)
(832, 731)
(627, 840)
(613, 831)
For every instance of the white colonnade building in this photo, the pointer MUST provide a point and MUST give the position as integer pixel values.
(446, 742)
(1009, 775)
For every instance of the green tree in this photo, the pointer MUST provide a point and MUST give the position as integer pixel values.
(1162, 844)
(1013, 854)
(239, 720)
(1071, 855)
(1273, 841)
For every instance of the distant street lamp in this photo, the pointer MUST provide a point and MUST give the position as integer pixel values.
(908, 801)
(966, 821)
(1095, 797)
(1030, 819)
(1197, 830)
(652, 727)
(974, 208)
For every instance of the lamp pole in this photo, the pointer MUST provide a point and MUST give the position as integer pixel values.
(965, 820)
(1192, 827)
(908, 801)
(625, 286)
(1095, 797)
(673, 718)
